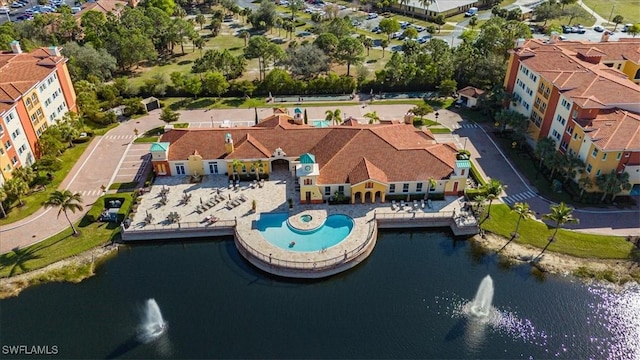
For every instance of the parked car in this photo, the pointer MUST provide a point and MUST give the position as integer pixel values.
(566, 29)
(598, 28)
(17, 5)
(472, 11)
(4, 10)
(578, 29)
(626, 27)
(372, 16)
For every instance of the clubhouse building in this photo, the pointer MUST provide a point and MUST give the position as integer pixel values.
(364, 163)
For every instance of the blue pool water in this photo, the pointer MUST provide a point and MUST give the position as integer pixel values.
(321, 123)
(275, 229)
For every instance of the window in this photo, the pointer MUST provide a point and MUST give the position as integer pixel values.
(341, 189)
(180, 169)
(52, 116)
(15, 134)
(327, 190)
(1, 150)
(561, 120)
(213, 168)
(541, 88)
(543, 107)
(575, 114)
(547, 92)
(419, 187)
(22, 149)
(39, 112)
(525, 105)
(392, 188)
(537, 102)
(589, 167)
(308, 181)
(529, 91)
(47, 102)
(565, 104)
(34, 118)
(569, 130)
(42, 87)
(594, 153)
(60, 108)
(368, 185)
(9, 117)
(405, 188)
(618, 156)
(1, 129)
(462, 172)
(563, 145)
(575, 136)
(598, 172)
(28, 102)
(14, 160)
(604, 156)
(7, 145)
(556, 134)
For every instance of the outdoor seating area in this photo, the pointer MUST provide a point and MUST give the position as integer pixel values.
(236, 201)
(412, 206)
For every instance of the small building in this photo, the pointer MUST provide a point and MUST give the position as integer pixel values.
(151, 103)
(469, 96)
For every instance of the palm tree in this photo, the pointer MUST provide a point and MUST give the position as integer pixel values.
(612, 183)
(585, 183)
(524, 213)
(3, 197)
(25, 173)
(431, 183)
(372, 116)
(65, 200)
(560, 214)
(17, 188)
(617, 20)
(479, 200)
(334, 116)
(257, 166)
(383, 44)
(545, 147)
(235, 164)
(493, 188)
(201, 20)
(571, 166)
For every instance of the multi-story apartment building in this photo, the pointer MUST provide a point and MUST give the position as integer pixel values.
(583, 95)
(35, 91)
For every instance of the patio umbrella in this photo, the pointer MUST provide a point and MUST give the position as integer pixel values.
(408, 197)
(218, 190)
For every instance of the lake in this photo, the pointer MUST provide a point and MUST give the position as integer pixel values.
(405, 301)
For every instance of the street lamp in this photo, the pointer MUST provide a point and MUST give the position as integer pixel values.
(211, 121)
(437, 114)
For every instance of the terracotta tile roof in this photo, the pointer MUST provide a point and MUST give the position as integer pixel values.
(350, 122)
(103, 6)
(364, 171)
(390, 153)
(20, 72)
(614, 130)
(471, 91)
(587, 84)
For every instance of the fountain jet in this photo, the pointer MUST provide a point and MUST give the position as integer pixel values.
(153, 325)
(481, 304)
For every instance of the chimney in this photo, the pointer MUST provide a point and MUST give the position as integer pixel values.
(553, 38)
(53, 51)
(519, 43)
(408, 118)
(15, 47)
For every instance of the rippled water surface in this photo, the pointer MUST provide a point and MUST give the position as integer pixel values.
(408, 300)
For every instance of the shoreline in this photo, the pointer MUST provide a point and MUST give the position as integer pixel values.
(72, 269)
(614, 271)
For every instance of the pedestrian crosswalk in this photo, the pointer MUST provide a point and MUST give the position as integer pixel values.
(120, 137)
(90, 192)
(518, 197)
(465, 126)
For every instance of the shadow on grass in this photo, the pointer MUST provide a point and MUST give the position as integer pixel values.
(185, 62)
(233, 102)
(18, 258)
(200, 103)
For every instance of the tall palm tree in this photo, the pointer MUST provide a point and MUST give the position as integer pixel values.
(545, 147)
(612, 183)
(335, 116)
(431, 183)
(585, 183)
(65, 200)
(493, 188)
(560, 214)
(524, 213)
(235, 164)
(3, 197)
(372, 116)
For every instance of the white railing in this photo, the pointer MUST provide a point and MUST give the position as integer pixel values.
(460, 220)
(307, 265)
(178, 226)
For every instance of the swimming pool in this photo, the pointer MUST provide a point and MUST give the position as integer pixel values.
(321, 123)
(274, 228)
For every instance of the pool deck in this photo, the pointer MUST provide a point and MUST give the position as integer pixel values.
(221, 219)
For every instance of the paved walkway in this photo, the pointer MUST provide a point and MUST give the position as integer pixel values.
(107, 157)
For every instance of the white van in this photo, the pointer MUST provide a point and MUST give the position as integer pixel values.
(472, 11)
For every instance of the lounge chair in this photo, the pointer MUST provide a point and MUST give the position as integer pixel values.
(401, 204)
(422, 203)
(393, 204)
(415, 204)
(429, 204)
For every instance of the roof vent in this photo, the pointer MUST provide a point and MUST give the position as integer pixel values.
(15, 47)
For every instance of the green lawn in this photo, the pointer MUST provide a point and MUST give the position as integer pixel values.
(34, 201)
(146, 139)
(610, 8)
(503, 221)
(57, 247)
(440, 130)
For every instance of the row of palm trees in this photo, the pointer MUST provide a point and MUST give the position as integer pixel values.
(560, 214)
(336, 116)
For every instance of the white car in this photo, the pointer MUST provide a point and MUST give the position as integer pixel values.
(4, 10)
(16, 5)
(372, 16)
